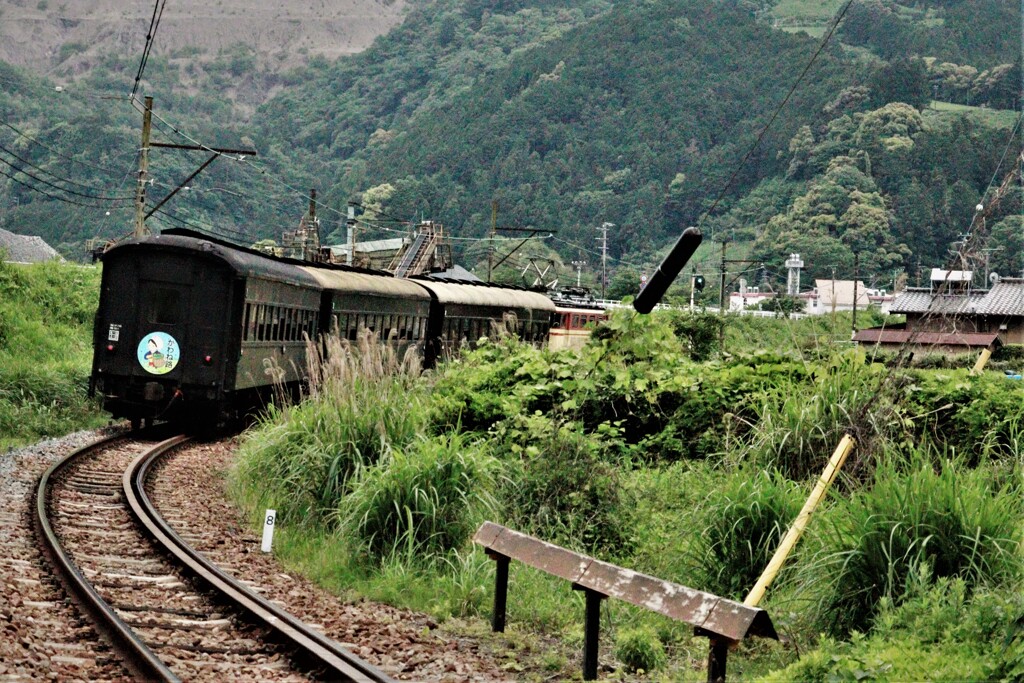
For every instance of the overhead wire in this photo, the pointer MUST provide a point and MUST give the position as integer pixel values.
(154, 24)
(58, 187)
(54, 176)
(56, 152)
(51, 196)
(778, 110)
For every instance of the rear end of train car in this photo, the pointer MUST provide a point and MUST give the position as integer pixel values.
(168, 336)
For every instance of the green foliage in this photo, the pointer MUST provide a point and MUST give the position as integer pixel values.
(975, 417)
(421, 502)
(941, 631)
(639, 650)
(46, 313)
(564, 488)
(748, 516)
(915, 524)
(783, 304)
(800, 424)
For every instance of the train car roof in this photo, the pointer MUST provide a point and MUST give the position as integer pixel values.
(381, 285)
(185, 232)
(486, 295)
(241, 261)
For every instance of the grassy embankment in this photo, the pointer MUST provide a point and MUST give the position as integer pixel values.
(46, 314)
(688, 470)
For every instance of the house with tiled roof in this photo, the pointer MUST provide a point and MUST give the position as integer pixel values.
(1002, 310)
(954, 318)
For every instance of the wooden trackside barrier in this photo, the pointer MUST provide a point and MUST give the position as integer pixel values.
(724, 621)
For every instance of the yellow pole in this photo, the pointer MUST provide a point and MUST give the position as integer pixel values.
(793, 535)
(986, 353)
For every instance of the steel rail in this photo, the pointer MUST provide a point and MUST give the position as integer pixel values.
(138, 658)
(337, 662)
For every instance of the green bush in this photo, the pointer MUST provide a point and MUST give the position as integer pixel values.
(747, 518)
(940, 632)
(422, 502)
(639, 650)
(563, 488)
(46, 313)
(914, 519)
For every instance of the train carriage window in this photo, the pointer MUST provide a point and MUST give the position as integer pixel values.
(247, 323)
(164, 306)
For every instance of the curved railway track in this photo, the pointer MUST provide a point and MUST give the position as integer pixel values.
(166, 610)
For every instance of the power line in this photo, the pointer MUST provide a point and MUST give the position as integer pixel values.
(51, 196)
(55, 176)
(154, 23)
(58, 187)
(51, 149)
(775, 115)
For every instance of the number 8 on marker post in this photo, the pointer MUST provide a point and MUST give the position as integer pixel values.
(268, 529)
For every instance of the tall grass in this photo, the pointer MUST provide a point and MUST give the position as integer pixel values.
(363, 403)
(914, 519)
(799, 425)
(421, 502)
(748, 516)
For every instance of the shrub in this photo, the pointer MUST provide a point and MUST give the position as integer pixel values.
(565, 491)
(949, 523)
(939, 633)
(747, 519)
(639, 649)
(424, 500)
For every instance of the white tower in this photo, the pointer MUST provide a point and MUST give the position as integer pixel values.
(793, 282)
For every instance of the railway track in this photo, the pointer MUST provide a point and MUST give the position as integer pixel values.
(167, 612)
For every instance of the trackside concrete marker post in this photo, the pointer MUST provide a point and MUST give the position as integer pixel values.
(268, 529)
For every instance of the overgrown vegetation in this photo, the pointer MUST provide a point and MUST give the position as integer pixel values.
(46, 313)
(691, 470)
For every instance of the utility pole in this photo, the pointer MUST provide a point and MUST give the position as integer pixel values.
(988, 253)
(351, 223)
(721, 284)
(721, 303)
(140, 188)
(856, 274)
(604, 255)
(494, 230)
(140, 193)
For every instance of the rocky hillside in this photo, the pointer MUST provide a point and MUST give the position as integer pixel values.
(66, 37)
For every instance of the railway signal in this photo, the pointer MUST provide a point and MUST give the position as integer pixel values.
(665, 273)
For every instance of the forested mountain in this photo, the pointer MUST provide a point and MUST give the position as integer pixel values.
(570, 114)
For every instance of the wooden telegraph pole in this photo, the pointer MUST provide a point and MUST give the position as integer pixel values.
(140, 192)
(140, 189)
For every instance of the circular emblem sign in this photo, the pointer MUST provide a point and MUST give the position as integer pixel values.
(158, 353)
